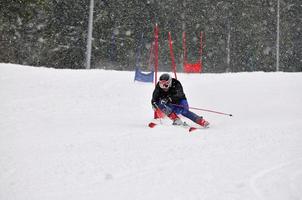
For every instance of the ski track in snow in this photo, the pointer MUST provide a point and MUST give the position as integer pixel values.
(283, 181)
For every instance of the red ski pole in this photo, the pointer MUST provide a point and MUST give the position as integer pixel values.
(206, 110)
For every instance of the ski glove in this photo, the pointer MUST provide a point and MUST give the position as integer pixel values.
(166, 100)
(154, 105)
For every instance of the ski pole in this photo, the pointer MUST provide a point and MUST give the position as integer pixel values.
(221, 113)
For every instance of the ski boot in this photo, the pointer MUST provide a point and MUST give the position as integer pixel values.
(176, 120)
(202, 122)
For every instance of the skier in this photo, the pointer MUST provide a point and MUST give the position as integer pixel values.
(168, 97)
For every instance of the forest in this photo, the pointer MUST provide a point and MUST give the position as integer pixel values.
(238, 35)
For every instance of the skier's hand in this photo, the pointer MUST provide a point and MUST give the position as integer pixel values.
(154, 106)
(165, 100)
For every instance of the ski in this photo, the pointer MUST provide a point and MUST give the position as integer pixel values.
(152, 124)
(191, 128)
(184, 125)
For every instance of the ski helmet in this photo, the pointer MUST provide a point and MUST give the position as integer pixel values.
(165, 81)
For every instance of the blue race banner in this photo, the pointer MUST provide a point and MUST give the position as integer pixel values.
(143, 77)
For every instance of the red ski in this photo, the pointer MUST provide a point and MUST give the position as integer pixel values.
(192, 129)
(152, 124)
(185, 125)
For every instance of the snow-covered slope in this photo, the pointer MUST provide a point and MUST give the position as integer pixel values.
(83, 135)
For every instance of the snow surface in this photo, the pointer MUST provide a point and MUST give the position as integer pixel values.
(83, 135)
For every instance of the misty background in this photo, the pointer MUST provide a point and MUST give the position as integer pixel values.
(238, 35)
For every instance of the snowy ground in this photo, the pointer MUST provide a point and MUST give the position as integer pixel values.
(83, 135)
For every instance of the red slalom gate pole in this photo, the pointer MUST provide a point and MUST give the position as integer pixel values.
(156, 31)
(212, 111)
(172, 54)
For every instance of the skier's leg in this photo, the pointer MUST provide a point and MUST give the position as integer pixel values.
(168, 109)
(191, 115)
(195, 118)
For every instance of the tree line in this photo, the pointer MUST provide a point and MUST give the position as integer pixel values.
(238, 35)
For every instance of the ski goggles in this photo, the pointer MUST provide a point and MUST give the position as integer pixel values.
(164, 84)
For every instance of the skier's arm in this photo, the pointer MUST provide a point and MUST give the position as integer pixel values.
(155, 97)
(179, 93)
